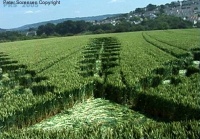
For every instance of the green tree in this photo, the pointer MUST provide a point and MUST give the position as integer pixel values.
(162, 25)
(198, 24)
(40, 30)
(80, 26)
(139, 10)
(49, 29)
(137, 28)
(67, 27)
(151, 7)
(123, 27)
(135, 18)
(161, 9)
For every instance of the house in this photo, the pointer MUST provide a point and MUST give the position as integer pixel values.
(31, 33)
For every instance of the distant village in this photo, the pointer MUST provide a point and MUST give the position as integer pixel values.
(187, 10)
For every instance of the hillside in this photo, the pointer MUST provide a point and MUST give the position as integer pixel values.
(88, 19)
(188, 10)
(2, 30)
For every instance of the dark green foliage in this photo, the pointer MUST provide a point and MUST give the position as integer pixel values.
(11, 36)
(163, 22)
(151, 7)
(71, 27)
(139, 10)
(191, 70)
(197, 55)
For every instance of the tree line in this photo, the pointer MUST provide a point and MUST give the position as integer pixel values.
(79, 27)
(69, 28)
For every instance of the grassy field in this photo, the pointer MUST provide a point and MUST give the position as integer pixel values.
(123, 85)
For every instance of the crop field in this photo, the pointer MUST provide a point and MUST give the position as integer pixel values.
(119, 85)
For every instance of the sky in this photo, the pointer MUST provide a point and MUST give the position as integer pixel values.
(16, 15)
